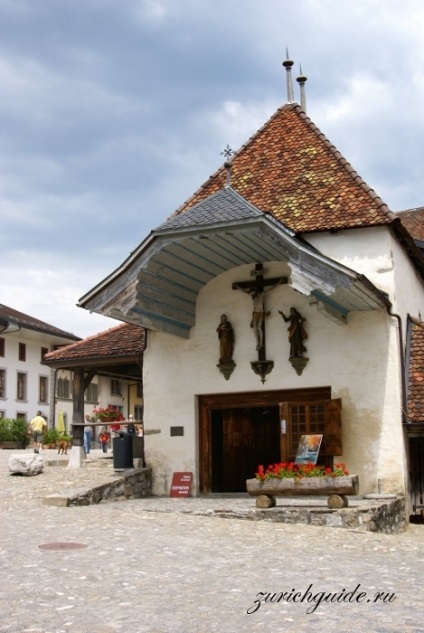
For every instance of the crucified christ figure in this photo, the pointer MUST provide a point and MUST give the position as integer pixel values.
(259, 313)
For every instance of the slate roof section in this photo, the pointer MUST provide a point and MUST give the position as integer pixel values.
(123, 341)
(415, 395)
(290, 170)
(413, 221)
(9, 316)
(224, 206)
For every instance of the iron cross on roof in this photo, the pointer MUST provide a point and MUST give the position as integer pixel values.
(256, 289)
(228, 152)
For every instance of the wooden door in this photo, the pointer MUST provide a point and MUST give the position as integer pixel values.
(416, 475)
(252, 425)
(243, 438)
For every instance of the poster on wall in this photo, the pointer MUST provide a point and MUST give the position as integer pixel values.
(308, 449)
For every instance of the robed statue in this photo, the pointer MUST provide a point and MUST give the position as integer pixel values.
(297, 333)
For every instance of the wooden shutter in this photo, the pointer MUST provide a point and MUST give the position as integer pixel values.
(333, 427)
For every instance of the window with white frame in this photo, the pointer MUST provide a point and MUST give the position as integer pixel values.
(2, 383)
(92, 393)
(115, 387)
(43, 389)
(22, 351)
(63, 389)
(21, 386)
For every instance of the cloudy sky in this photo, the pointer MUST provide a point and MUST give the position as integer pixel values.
(113, 112)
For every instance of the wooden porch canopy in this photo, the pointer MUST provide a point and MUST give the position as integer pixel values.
(157, 285)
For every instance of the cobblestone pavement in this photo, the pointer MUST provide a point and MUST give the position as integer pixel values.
(142, 566)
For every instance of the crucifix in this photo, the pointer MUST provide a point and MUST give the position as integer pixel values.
(256, 289)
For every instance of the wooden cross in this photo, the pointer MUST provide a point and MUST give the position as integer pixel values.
(256, 289)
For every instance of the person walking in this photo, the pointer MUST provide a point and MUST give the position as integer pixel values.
(37, 426)
(104, 439)
(88, 431)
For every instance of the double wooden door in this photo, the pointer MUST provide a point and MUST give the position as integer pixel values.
(242, 438)
(239, 432)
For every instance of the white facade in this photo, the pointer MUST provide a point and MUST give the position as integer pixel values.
(360, 361)
(27, 384)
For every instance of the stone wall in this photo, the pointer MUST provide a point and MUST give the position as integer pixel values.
(388, 517)
(131, 484)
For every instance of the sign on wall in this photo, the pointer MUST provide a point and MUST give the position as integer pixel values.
(181, 484)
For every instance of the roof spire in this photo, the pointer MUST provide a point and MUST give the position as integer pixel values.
(301, 79)
(228, 152)
(288, 63)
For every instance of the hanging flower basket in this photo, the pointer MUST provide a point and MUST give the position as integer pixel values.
(107, 414)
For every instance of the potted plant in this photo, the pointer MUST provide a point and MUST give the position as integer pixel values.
(50, 438)
(288, 478)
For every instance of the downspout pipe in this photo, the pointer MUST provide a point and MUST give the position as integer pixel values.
(402, 363)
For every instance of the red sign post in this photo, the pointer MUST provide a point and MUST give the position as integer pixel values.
(181, 484)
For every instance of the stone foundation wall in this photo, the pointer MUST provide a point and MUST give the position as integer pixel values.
(387, 517)
(132, 484)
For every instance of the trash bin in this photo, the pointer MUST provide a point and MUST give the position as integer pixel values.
(122, 451)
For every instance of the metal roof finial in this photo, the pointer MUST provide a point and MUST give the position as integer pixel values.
(301, 81)
(288, 63)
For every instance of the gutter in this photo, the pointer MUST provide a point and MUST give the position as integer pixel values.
(402, 364)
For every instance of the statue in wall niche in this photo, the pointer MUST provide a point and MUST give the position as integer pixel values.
(226, 340)
(297, 333)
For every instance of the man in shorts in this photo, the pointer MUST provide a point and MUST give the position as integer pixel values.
(37, 425)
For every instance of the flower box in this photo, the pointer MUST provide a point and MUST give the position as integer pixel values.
(328, 486)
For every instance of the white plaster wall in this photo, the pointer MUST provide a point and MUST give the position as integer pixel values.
(33, 369)
(381, 258)
(358, 360)
(374, 253)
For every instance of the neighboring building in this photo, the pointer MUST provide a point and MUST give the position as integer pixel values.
(26, 384)
(291, 215)
(111, 363)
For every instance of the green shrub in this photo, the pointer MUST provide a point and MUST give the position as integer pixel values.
(51, 436)
(14, 430)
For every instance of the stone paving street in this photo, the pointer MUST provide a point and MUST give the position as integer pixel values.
(147, 566)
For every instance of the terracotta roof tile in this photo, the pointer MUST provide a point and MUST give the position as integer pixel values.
(289, 169)
(121, 341)
(413, 221)
(416, 374)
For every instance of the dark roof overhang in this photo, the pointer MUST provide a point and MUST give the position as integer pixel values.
(158, 284)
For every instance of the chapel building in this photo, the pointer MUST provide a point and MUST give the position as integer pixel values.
(279, 300)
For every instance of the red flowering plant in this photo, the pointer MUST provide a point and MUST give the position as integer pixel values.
(109, 413)
(298, 471)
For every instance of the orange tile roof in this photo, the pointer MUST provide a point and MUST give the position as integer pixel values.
(290, 170)
(413, 221)
(124, 340)
(416, 374)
